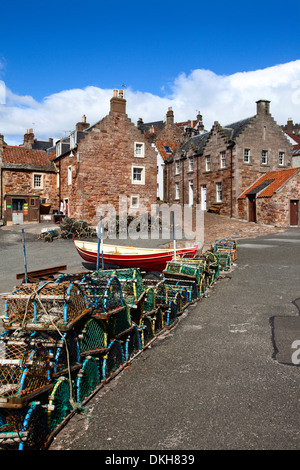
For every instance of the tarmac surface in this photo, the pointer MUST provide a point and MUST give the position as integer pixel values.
(225, 378)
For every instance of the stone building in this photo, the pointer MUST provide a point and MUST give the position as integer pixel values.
(272, 199)
(27, 184)
(215, 167)
(97, 164)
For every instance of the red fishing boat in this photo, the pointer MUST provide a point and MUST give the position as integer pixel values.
(146, 259)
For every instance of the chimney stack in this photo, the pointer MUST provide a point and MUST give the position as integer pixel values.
(170, 116)
(262, 107)
(2, 143)
(81, 126)
(28, 139)
(118, 103)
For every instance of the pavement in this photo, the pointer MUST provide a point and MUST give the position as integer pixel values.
(225, 378)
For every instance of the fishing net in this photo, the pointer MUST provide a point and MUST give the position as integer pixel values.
(93, 336)
(88, 378)
(133, 343)
(147, 330)
(103, 291)
(113, 359)
(59, 405)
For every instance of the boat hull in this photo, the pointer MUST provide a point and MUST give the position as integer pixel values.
(154, 260)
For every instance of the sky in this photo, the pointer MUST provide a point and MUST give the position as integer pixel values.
(62, 59)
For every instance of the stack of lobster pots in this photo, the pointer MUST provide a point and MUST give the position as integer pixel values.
(64, 339)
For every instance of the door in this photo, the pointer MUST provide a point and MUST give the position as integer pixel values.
(294, 206)
(66, 204)
(203, 197)
(252, 208)
(191, 193)
(17, 211)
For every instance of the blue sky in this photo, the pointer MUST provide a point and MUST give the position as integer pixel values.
(47, 48)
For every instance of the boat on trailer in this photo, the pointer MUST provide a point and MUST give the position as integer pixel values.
(146, 259)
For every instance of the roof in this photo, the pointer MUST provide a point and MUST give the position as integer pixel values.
(15, 156)
(163, 149)
(234, 129)
(269, 183)
(293, 137)
(198, 141)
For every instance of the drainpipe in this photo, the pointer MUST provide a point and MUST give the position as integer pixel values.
(231, 179)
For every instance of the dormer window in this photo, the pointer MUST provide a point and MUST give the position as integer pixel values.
(58, 148)
(73, 140)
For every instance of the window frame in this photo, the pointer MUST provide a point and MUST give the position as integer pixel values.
(223, 159)
(177, 167)
(40, 176)
(143, 178)
(133, 196)
(266, 156)
(248, 155)
(177, 191)
(207, 163)
(140, 145)
(219, 192)
(70, 175)
(283, 158)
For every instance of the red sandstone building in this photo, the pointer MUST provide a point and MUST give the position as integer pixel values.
(214, 168)
(27, 181)
(97, 164)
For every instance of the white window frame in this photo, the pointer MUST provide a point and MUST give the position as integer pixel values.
(134, 181)
(177, 191)
(132, 205)
(219, 192)
(70, 176)
(141, 152)
(223, 159)
(58, 148)
(41, 179)
(247, 155)
(281, 158)
(191, 164)
(177, 167)
(264, 156)
(207, 163)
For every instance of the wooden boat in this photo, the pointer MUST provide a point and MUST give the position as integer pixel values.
(146, 259)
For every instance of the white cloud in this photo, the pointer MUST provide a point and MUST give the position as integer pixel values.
(223, 98)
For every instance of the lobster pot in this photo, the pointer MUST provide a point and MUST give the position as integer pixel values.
(103, 291)
(133, 343)
(191, 288)
(93, 336)
(158, 321)
(224, 260)
(24, 370)
(113, 359)
(88, 378)
(226, 245)
(59, 403)
(23, 429)
(147, 330)
(161, 294)
(63, 349)
(150, 300)
(171, 314)
(41, 306)
(118, 322)
(132, 284)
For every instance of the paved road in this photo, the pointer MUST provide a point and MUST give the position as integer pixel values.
(222, 379)
(215, 381)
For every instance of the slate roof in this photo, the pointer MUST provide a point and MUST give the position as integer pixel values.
(268, 183)
(198, 141)
(20, 157)
(234, 129)
(160, 144)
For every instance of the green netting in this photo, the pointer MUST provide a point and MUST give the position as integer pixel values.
(93, 336)
(59, 403)
(88, 378)
(113, 359)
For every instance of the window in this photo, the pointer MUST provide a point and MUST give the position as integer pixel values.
(264, 157)
(138, 175)
(177, 167)
(281, 159)
(223, 160)
(32, 201)
(139, 150)
(168, 149)
(191, 164)
(207, 163)
(73, 140)
(177, 191)
(134, 202)
(37, 181)
(219, 192)
(58, 149)
(69, 175)
(246, 155)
